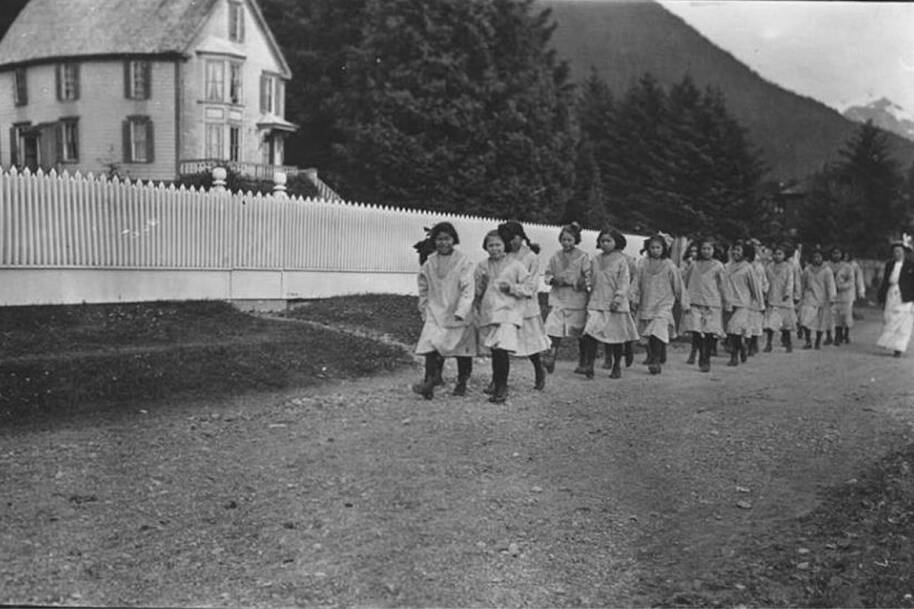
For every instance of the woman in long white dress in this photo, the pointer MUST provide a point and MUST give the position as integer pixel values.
(896, 294)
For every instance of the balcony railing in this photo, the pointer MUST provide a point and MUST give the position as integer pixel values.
(259, 171)
(256, 171)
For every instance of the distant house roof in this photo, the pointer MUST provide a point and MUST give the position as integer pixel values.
(51, 29)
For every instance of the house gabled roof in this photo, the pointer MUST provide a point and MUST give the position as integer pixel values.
(53, 29)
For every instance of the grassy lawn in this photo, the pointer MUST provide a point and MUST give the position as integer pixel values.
(67, 357)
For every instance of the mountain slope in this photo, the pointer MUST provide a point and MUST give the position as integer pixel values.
(885, 115)
(622, 40)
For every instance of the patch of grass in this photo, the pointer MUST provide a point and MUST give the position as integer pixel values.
(394, 315)
(71, 357)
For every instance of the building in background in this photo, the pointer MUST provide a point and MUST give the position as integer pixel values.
(150, 89)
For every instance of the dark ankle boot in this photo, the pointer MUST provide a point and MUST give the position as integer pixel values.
(769, 334)
(752, 346)
(819, 340)
(704, 357)
(828, 339)
(839, 336)
(607, 357)
(713, 346)
(785, 338)
(617, 361)
(464, 369)
(656, 346)
(806, 334)
(500, 367)
(539, 372)
(427, 387)
(549, 356)
(662, 359)
(590, 355)
(734, 342)
(696, 347)
(629, 350)
(439, 368)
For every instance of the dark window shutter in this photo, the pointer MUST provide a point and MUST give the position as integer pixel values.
(75, 141)
(59, 80)
(150, 144)
(263, 93)
(58, 143)
(127, 79)
(147, 78)
(14, 146)
(75, 81)
(128, 156)
(240, 23)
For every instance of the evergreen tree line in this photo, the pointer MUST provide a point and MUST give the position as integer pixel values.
(463, 106)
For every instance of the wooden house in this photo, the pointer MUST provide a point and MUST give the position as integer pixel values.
(150, 89)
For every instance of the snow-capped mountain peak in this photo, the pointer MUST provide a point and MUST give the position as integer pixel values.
(885, 114)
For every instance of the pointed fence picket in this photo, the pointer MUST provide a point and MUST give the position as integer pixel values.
(75, 221)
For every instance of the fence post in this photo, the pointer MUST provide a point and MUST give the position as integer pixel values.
(219, 175)
(279, 184)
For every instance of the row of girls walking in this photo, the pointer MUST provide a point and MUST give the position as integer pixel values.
(493, 308)
(613, 299)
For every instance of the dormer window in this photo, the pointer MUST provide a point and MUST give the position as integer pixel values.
(67, 81)
(236, 21)
(136, 80)
(20, 88)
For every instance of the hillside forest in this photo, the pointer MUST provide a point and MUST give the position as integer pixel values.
(468, 107)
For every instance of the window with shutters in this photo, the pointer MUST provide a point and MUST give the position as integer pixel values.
(20, 88)
(236, 21)
(234, 142)
(137, 79)
(17, 143)
(215, 80)
(138, 140)
(68, 138)
(67, 81)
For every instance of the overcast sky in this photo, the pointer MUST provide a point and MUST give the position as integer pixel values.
(841, 53)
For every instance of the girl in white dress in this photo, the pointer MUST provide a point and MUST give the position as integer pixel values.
(531, 337)
(567, 275)
(446, 293)
(896, 294)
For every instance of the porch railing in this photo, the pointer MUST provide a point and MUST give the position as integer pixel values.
(256, 171)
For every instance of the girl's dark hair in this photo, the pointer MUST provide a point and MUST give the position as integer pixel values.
(748, 249)
(573, 229)
(784, 247)
(835, 249)
(444, 227)
(664, 249)
(618, 237)
(511, 229)
(492, 233)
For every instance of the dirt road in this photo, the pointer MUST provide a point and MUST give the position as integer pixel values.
(600, 493)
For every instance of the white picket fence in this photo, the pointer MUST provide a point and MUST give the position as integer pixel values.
(72, 238)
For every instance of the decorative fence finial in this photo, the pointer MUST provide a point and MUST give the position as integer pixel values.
(219, 176)
(279, 184)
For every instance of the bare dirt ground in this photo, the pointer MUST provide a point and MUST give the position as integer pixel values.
(638, 492)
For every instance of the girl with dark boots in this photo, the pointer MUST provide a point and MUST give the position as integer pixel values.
(609, 319)
(531, 337)
(655, 290)
(446, 294)
(704, 281)
(502, 287)
(740, 291)
(780, 315)
(566, 274)
(815, 303)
